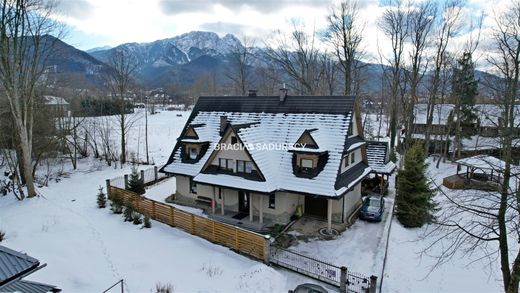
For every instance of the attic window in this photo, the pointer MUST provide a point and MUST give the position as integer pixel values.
(192, 153)
(351, 128)
(306, 163)
(234, 140)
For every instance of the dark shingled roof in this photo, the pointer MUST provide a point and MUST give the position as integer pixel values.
(272, 104)
(350, 175)
(14, 264)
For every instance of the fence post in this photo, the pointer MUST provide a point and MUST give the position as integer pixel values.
(108, 188)
(373, 284)
(126, 181)
(343, 280)
(142, 176)
(156, 173)
(267, 248)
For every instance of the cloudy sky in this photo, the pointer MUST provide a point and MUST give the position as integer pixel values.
(94, 23)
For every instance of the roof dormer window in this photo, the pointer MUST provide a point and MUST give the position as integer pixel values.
(193, 153)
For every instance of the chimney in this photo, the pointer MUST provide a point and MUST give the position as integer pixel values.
(223, 124)
(283, 93)
(251, 93)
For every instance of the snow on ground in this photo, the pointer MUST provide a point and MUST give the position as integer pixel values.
(160, 191)
(87, 249)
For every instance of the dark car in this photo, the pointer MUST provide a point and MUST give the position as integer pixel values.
(373, 208)
(309, 288)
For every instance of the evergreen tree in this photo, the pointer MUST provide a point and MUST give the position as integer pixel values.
(464, 91)
(129, 210)
(136, 219)
(101, 199)
(135, 183)
(414, 205)
(116, 204)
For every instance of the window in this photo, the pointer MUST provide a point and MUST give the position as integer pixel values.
(306, 163)
(225, 164)
(192, 153)
(244, 166)
(234, 140)
(352, 158)
(272, 200)
(193, 186)
(351, 128)
(345, 161)
(219, 193)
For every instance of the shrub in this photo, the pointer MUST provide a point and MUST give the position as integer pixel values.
(136, 218)
(146, 222)
(163, 288)
(116, 204)
(101, 199)
(129, 210)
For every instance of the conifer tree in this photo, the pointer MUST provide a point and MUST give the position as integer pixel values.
(116, 204)
(135, 183)
(414, 204)
(147, 223)
(464, 91)
(101, 199)
(129, 210)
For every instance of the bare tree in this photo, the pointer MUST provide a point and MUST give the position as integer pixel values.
(421, 19)
(394, 24)
(120, 81)
(490, 222)
(239, 70)
(298, 56)
(25, 45)
(345, 34)
(447, 28)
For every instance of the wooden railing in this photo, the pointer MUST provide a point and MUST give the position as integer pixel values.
(243, 241)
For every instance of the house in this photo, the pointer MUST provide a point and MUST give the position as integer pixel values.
(485, 133)
(58, 106)
(14, 267)
(259, 160)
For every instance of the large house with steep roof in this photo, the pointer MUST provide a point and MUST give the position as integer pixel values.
(259, 160)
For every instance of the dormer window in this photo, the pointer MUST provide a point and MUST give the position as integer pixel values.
(353, 158)
(306, 164)
(193, 153)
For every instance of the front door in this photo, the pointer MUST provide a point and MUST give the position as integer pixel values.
(316, 206)
(243, 201)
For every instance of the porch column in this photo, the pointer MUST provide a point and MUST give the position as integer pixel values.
(214, 203)
(261, 210)
(329, 215)
(250, 207)
(222, 203)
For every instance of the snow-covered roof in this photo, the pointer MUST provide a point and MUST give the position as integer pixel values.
(376, 157)
(440, 113)
(52, 100)
(263, 133)
(488, 114)
(485, 162)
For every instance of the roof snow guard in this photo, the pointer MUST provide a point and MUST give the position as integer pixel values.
(268, 124)
(376, 156)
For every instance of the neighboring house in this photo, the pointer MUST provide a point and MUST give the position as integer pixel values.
(485, 133)
(263, 159)
(56, 105)
(14, 267)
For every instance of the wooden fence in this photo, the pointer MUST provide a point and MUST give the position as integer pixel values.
(243, 241)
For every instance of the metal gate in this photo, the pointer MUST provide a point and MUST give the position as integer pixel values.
(320, 270)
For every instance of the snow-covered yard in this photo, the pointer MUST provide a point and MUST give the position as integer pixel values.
(88, 249)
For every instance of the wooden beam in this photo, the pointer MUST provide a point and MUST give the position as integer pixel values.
(261, 209)
(250, 200)
(329, 215)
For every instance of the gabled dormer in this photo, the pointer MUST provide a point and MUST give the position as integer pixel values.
(232, 157)
(306, 141)
(192, 147)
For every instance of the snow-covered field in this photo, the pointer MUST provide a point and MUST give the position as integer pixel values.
(88, 249)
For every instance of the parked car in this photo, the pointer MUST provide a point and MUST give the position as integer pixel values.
(373, 208)
(309, 288)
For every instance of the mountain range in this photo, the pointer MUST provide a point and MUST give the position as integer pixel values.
(180, 60)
